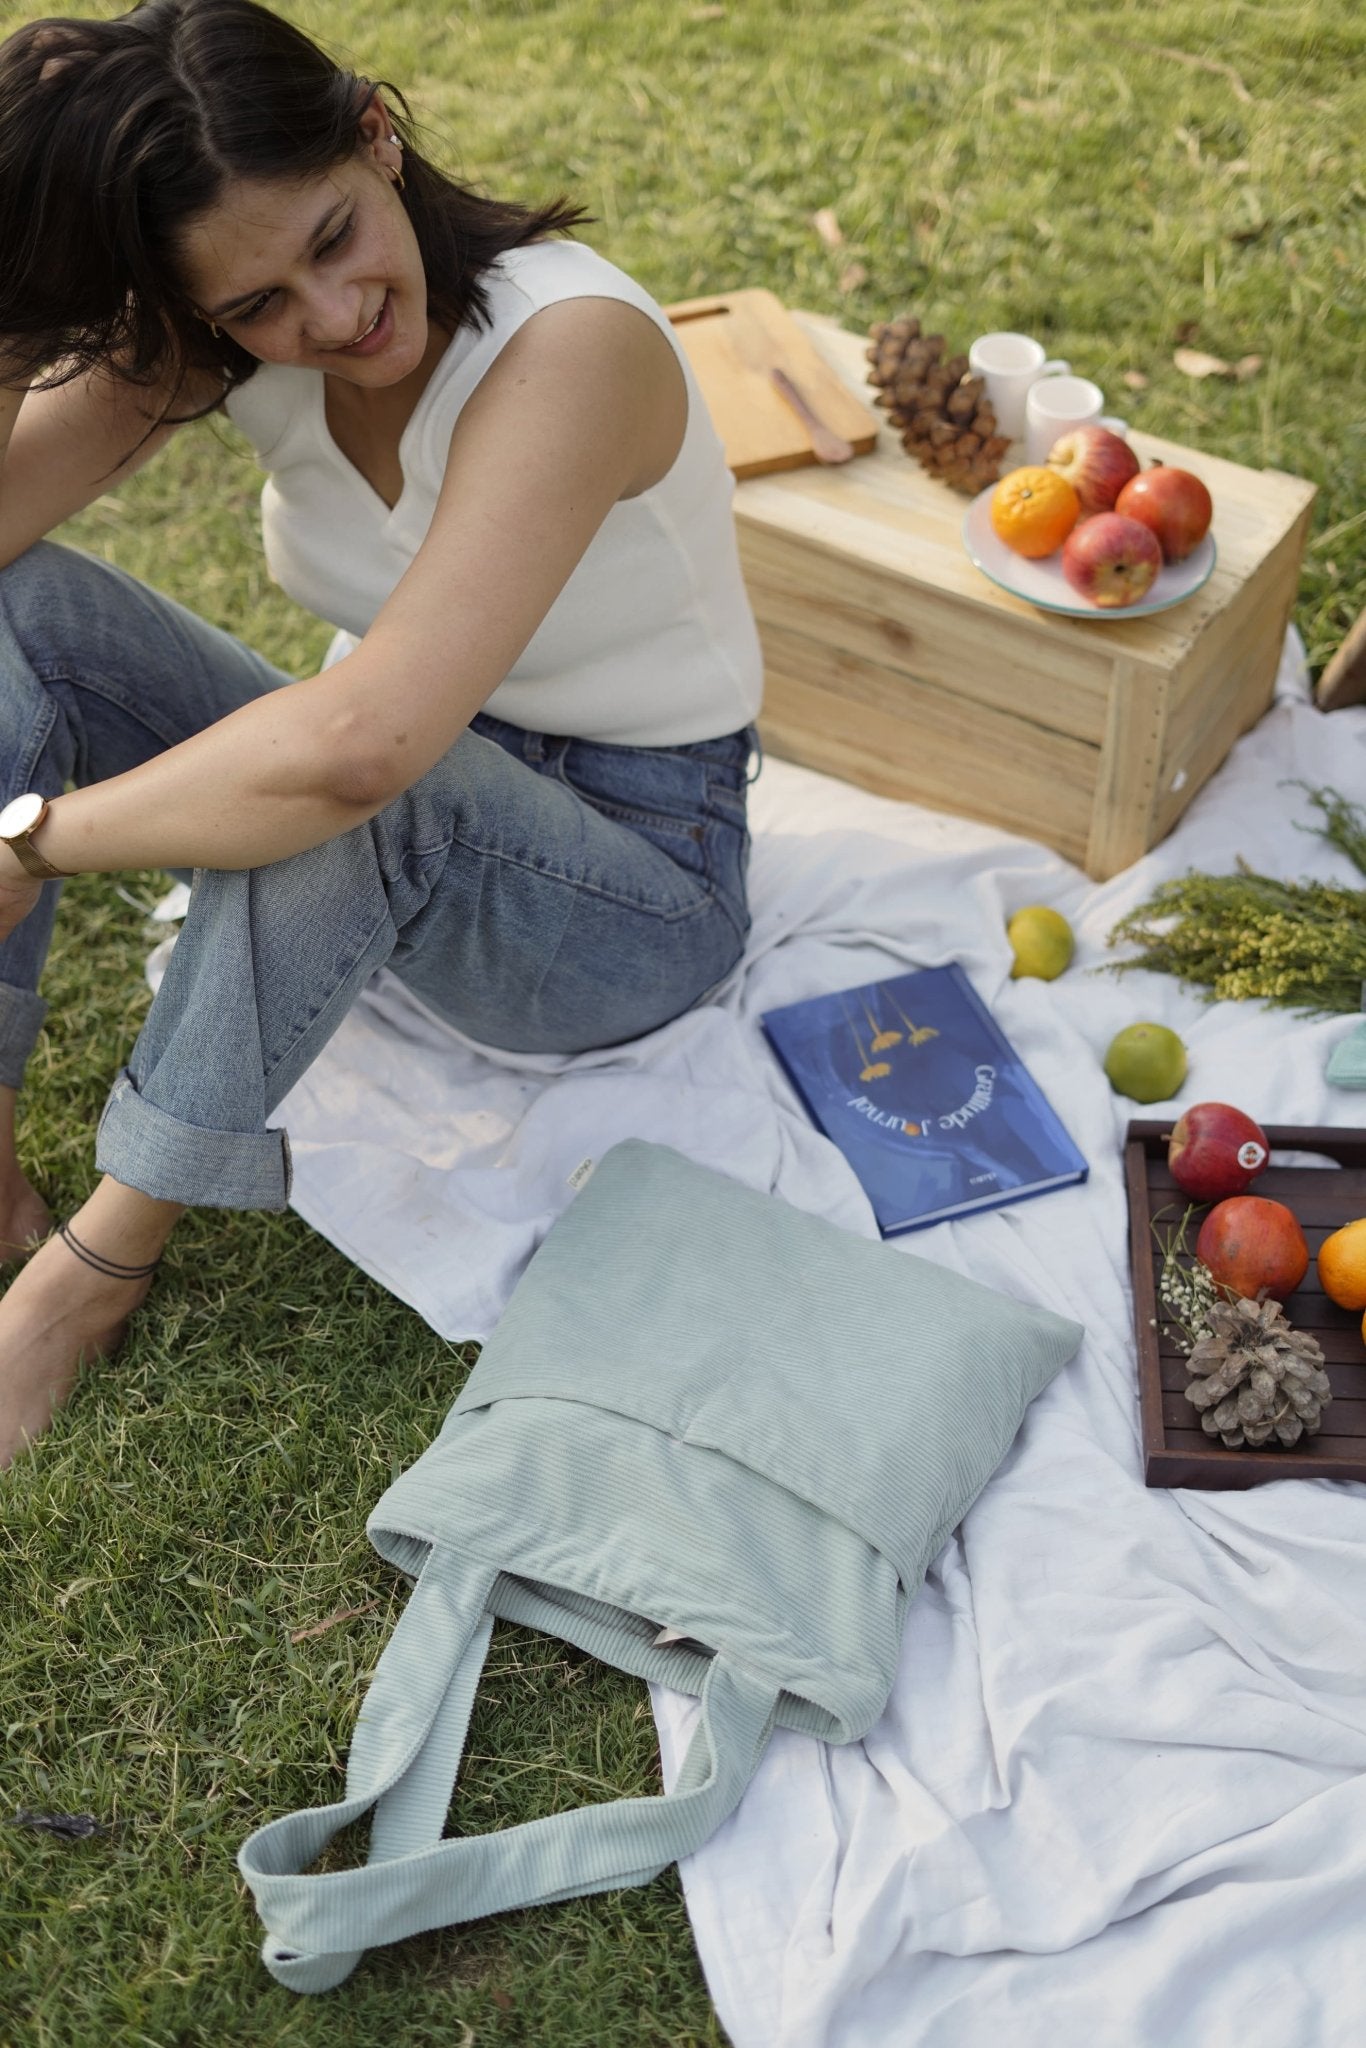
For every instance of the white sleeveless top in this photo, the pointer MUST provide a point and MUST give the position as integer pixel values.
(650, 643)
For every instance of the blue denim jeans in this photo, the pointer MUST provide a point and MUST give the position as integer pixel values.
(543, 894)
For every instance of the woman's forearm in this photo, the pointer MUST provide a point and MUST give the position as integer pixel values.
(270, 780)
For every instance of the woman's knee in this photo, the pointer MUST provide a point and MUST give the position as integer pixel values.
(43, 589)
(54, 605)
(129, 672)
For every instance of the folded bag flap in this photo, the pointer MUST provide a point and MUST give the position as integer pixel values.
(878, 1386)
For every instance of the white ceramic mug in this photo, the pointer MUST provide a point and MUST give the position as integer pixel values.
(1011, 364)
(1054, 408)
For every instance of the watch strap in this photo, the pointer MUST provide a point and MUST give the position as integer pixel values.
(26, 853)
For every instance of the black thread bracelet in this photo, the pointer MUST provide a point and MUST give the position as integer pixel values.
(111, 1269)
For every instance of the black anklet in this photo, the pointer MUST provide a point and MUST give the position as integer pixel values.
(109, 1267)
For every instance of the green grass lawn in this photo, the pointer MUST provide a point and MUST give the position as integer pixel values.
(1115, 178)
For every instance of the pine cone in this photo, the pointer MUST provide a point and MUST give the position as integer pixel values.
(946, 420)
(1255, 1377)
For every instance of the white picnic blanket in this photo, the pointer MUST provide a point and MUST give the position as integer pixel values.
(1119, 1796)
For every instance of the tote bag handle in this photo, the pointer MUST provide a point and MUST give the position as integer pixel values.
(404, 1760)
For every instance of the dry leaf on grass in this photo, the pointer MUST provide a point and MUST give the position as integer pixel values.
(826, 224)
(331, 1621)
(1193, 362)
(852, 277)
(1135, 379)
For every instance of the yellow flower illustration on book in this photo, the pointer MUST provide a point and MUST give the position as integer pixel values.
(870, 1070)
(882, 1039)
(917, 1034)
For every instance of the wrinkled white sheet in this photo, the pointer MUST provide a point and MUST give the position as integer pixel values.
(1119, 1796)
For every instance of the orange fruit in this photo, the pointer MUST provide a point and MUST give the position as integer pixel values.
(1034, 510)
(1342, 1265)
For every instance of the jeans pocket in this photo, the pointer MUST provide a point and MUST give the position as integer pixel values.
(661, 792)
(688, 801)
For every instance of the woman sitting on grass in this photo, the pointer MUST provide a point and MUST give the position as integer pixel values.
(523, 790)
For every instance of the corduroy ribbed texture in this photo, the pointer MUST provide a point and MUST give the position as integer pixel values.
(1347, 1066)
(702, 1410)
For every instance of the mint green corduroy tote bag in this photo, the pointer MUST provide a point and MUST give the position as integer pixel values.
(713, 1441)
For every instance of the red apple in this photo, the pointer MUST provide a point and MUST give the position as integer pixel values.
(1096, 463)
(1112, 561)
(1173, 503)
(1215, 1151)
(1254, 1247)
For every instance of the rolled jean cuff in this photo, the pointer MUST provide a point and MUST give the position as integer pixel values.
(146, 1148)
(21, 1019)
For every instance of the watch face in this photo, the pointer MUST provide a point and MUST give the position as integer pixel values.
(21, 815)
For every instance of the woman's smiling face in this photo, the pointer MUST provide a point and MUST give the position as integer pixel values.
(322, 274)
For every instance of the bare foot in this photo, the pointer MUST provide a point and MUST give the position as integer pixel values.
(62, 1312)
(25, 1218)
(57, 1316)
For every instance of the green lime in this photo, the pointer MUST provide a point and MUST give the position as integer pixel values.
(1041, 940)
(1146, 1062)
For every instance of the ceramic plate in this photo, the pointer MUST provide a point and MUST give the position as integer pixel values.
(1043, 583)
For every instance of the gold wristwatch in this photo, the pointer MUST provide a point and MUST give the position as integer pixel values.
(19, 820)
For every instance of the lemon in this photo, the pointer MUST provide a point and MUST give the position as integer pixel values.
(1146, 1062)
(1041, 940)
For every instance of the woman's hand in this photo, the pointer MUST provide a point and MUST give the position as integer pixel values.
(18, 894)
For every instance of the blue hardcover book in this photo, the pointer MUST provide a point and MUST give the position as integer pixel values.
(915, 1082)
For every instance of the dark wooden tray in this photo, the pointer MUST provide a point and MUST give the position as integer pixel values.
(1176, 1451)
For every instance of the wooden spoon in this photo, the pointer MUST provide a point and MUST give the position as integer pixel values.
(826, 445)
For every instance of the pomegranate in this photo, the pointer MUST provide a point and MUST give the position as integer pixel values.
(1254, 1247)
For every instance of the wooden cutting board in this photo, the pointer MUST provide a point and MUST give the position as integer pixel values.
(732, 342)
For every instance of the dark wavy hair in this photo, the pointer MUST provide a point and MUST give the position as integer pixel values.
(116, 135)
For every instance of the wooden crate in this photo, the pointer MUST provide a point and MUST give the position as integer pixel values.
(1176, 1451)
(892, 662)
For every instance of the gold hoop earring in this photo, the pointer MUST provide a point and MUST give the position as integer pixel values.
(397, 173)
(215, 331)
